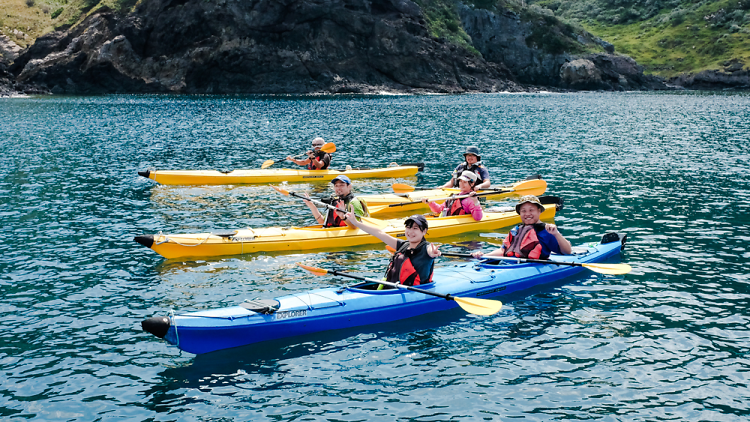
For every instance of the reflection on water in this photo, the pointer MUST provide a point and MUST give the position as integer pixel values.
(667, 341)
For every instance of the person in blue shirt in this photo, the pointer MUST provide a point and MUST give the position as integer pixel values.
(533, 238)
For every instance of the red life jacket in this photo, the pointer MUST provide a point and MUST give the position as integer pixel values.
(522, 241)
(453, 207)
(333, 219)
(401, 269)
(319, 157)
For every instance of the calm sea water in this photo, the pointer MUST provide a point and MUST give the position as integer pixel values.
(670, 341)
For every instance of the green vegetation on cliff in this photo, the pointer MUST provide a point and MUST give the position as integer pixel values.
(667, 37)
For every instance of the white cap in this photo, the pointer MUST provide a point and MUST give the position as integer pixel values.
(468, 176)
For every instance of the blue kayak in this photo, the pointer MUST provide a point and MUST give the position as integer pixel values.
(362, 304)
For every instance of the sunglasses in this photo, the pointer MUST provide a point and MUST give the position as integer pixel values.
(318, 145)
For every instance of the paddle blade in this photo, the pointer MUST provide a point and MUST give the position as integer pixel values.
(329, 147)
(530, 187)
(609, 268)
(314, 270)
(390, 249)
(479, 306)
(279, 190)
(266, 164)
(402, 188)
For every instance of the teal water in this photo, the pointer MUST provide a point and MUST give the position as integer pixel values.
(668, 341)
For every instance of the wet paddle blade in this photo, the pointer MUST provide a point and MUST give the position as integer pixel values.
(314, 270)
(279, 190)
(402, 188)
(266, 164)
(479, 306)
(609, 268)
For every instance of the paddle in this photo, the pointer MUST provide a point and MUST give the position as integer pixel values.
(374, 221)
(494, 192)
(470, 305)
(536, 186)
(615, 269)
(328, 148)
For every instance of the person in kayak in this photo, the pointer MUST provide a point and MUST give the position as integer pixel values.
(316, 159)
(531, 239)
(414, 260)
(470, 205)
(472, 163)
(343, 199)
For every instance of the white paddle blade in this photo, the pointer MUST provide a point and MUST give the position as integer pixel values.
(614, 269)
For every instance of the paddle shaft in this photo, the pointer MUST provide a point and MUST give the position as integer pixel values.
(496, 192)
(512, 258)
(388, 283)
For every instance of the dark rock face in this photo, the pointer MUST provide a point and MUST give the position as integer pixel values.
(732, 76)
(8, 86)
(310, 46)
(504, 39)
(257, 46)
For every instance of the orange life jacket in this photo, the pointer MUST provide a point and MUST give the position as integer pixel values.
(401, 268)
(522, 241)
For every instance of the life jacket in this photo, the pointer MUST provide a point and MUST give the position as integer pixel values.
(332, 218)
(401, 269)
(523, 242)
(453, 207)
(319, 157)
(472, 168)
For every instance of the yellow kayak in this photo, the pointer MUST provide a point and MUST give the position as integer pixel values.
(392, 203)
(261, 176)
(242, 241)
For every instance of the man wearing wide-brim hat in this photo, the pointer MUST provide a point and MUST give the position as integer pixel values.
(532, 238)
(472, 163)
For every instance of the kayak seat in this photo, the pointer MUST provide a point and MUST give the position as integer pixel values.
(261, 306)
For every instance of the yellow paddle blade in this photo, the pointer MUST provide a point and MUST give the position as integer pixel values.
(279, 190)
(530, 187)
(329, 147)
(609, 268)
(479, 306)
(402, 188)
(390, 249)
(314, 270)
(266, 164)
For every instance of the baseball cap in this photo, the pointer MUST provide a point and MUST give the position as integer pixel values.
(342, 178)
(468, 176)
(419, 220)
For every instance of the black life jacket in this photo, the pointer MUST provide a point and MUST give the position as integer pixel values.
(319, 157)
(472, 168)
(401, 269)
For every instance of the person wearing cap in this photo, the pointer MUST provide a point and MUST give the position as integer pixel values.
(472, 163)
(414, 260)
(455, 206)
(316, 159)
(344, 200)
(532, 238)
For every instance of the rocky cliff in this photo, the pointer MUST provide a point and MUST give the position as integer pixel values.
(314, 46)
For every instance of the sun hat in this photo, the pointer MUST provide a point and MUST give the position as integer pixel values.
(474, 151)
(530, 199)
(417, 219)
(468, 176)
(342, 178)
(319, 141)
